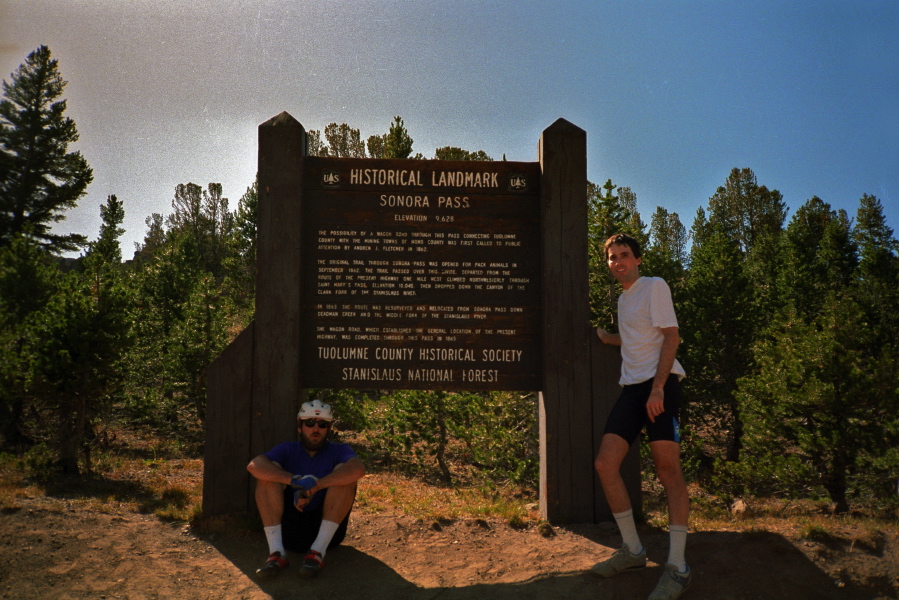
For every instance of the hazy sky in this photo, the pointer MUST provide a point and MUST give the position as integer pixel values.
(672, 94)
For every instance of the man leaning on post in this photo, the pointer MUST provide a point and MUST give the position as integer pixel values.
(650, 400)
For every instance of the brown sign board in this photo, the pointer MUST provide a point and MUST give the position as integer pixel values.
(420, 274)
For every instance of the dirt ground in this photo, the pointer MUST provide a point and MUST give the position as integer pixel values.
(51, 548)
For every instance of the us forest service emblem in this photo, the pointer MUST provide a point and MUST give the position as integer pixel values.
(518, 183)
(331, 178)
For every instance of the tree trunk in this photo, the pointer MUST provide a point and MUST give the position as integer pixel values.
(442, 440)
(10, 424)
(835, 484)
(73, 419)
(735, 444)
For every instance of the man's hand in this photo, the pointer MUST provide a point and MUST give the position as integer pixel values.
(655, 405)
(300, 499)
(304, 483)
(612, 339)
(305, 488)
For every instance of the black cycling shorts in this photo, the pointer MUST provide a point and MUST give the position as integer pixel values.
(300, 528)
(628, 416)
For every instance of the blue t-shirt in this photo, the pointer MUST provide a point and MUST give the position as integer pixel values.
(292, 457)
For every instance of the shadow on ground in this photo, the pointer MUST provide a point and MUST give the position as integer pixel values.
(727, 566)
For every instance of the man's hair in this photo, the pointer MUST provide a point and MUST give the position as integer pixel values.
(623, 239)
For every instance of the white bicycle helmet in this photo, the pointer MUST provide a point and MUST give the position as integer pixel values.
(315, 410)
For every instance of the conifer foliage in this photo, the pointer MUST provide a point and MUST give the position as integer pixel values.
(39, 178)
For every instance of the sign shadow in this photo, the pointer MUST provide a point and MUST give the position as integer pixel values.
(726, 566)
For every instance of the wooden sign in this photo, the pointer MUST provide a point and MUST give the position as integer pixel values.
(420, 274)
(400, 274)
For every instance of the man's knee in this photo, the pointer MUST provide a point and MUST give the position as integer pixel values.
(670, 474)
(269, 491)
(339, 501)
(612, 452)
(605, 467)
(341, 494)
(668, 466)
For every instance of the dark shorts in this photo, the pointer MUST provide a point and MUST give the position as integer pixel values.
(628, 416)
(299, 529)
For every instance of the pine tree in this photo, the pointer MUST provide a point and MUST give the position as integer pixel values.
(820, 406)
(456, 153)
(29, 278)
(163, 286)
(716, 324)
(195, 342)
(77, 343)
(396, 143)
(877, 245)
(344, 141)
(202, 218)
(242, 262)
(39, 179)
(107, 248)
(666, 255)
(822, 403)
(745, 211)
(375, 145)
(154, 239)
(878, 270)
(719, 313)
(818, 248)
(314, 144)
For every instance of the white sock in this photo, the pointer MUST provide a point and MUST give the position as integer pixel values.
(628, 530)
(325, 535)
(678, 542)
(275, 544)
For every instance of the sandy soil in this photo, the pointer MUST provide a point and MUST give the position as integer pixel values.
(52, 548)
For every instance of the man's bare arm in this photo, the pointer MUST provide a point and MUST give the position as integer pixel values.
(613, 339)
(656, 403)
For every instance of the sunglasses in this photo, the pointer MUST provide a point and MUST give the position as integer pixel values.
(310, 423)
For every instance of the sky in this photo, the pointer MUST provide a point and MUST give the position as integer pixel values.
(672, 94)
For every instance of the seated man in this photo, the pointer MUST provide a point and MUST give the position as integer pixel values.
(305, 491)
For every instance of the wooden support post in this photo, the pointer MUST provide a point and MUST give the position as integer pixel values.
(606, 371)
(565, 407)
(229, 393)
(276, 363)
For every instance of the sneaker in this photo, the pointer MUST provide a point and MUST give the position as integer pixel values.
(312, 564)
(274, 565)
(672, 584)
(620, 562)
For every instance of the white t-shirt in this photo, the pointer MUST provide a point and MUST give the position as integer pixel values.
(643, 310)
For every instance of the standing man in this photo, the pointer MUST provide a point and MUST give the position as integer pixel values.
(650, 398)
(305, 491)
